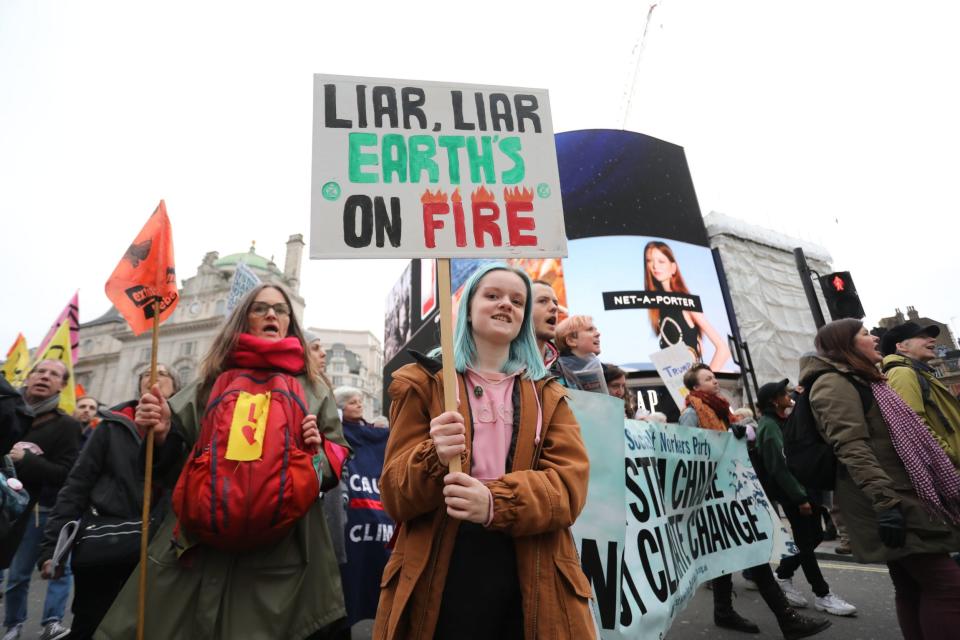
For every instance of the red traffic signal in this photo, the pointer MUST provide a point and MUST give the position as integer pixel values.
(841, 296)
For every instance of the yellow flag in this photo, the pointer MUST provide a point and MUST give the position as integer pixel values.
(17, 366)
(248, 426)
(59, 349)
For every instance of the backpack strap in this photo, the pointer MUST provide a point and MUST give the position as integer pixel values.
(866, 395)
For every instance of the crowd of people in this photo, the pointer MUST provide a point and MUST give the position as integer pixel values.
(254, 535)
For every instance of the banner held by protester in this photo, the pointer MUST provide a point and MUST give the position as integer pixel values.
(693, 509)
(599, 531)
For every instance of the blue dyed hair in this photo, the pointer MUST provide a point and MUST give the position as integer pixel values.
(523, 349)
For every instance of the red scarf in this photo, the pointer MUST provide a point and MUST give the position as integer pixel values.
(717, 404)
(252, 352)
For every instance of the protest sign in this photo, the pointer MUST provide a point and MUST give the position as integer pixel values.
(244, 280)
(692, 515)
(432, 169)
(693, 509)
(671, 363)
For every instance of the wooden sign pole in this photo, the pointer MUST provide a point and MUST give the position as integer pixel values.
(147, 485)
(450, 384)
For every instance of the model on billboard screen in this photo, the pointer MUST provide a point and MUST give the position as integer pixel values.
(673, 324)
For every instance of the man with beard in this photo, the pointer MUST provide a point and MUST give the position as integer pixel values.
(86, 415)
(546, 307)
(43, 459)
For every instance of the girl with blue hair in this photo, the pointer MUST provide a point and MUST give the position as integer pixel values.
(486, 553)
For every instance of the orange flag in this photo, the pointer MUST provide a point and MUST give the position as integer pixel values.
(146, 275)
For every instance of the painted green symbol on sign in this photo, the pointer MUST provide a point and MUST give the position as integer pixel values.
(543, 190)
(331, 191)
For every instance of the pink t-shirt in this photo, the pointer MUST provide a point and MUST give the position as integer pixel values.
(491, 403)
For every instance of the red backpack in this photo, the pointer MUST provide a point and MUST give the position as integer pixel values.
(249, 477)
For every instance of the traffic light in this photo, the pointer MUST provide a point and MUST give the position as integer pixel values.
(841, 296)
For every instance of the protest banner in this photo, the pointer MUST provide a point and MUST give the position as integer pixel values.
(671, 363)
(417, 169)
(693, 509)
(599, 531)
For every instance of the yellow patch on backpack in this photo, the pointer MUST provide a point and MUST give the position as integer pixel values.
(248, 426)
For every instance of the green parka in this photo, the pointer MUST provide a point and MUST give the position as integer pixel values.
(289, 590)
(870, 477)
(941, 413)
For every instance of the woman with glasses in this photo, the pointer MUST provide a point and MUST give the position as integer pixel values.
(197, 588)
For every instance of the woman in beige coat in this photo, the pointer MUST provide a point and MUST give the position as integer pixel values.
(898, 492)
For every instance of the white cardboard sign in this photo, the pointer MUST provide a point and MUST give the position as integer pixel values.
(671, 364)
(413, 169)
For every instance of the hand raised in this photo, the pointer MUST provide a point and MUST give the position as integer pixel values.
(153, 412)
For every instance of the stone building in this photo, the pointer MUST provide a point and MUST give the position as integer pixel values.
(355, 359)
(111, 357)
(944, 340)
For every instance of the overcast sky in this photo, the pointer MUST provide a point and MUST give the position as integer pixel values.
(831, 121)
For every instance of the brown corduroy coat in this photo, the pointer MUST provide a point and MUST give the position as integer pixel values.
(535, 502)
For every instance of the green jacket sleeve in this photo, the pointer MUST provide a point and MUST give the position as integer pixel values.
(770, 445)
(904, 381)
(839, 413)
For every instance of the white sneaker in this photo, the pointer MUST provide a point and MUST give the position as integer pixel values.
(13, 632)
(54, 631)
(834, 604)
(794, 597)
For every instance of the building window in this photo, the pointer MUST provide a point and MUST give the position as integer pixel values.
(338, 381)
(188, 348)
(145, 354)
(185, 373)
(87, 346)
(221, 307)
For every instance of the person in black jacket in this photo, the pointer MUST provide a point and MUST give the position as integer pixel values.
(42, 458)
(108, 481)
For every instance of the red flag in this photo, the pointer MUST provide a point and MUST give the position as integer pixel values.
(146, 274)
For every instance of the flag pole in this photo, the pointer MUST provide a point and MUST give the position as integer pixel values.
(147, 483)
(450, 384)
